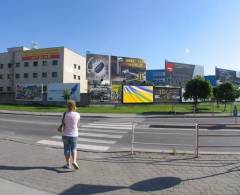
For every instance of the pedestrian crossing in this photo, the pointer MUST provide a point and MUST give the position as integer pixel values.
(96, 136)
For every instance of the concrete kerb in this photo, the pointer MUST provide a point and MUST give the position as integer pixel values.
(114, 115)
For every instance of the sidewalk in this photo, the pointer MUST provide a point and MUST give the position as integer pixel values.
(39, 168)
(114, 115)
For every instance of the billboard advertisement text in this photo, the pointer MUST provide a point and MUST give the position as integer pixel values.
(167, 94)
(41, 54)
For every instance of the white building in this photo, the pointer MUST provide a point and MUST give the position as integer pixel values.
(20, 65)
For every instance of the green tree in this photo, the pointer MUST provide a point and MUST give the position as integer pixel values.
(66, 95)
(197, 89)
(226, 92)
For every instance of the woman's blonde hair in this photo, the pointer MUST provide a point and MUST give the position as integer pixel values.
(71, 105)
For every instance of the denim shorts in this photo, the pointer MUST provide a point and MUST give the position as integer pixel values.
(70, 144)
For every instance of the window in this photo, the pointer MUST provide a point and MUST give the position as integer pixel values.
(54, 74)
(44, 88)
(35, 63)
(44, 63)
(9, 65)
(75, 76)
(44, 75)
(75, 66)
(17, 76)
(26, 64)
(78, 77)
(18, 64)
(35, 75)
(9, 76)
(1, 76)
(1, 66)
(9, 88)
(79, 67)
(1, 89)
(54, 62)
(25, 75)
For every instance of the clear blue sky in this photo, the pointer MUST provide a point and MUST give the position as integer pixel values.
(151, 29)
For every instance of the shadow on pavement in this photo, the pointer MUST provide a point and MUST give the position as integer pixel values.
(21, 168)
(149, 185)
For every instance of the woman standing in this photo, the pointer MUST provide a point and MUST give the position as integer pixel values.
(71, 121)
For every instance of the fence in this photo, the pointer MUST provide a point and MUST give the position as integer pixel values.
(196, 129)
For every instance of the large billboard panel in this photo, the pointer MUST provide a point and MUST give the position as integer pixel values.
(167, 94)
(98, 67)
(224, 75)
(128, 69)
(116, 93)
(177, 74)
(100, 93)
(29, 92)
(137, 94)
(56, 91)
(41, 54)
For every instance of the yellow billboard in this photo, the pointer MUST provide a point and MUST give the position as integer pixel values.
(137, 94)
(41, 54)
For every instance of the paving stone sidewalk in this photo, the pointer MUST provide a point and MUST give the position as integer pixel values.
(38, 167)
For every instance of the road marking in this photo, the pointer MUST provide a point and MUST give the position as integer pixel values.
(113, 124)
(28, 122)
(79, 146)
(106, 127)
(100, 135)
(89, 140)
(104, 131)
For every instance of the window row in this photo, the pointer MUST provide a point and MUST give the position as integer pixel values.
(26, 75)
(26, 64)
(76, 77)
(75, 66)
(8, 89)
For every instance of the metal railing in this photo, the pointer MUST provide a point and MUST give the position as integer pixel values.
(196, 130)
(219, 126)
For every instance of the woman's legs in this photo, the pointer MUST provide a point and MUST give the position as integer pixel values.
(67, 150)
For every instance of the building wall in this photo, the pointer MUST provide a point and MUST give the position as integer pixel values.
(75, 69)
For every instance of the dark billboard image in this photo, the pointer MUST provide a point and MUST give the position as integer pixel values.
(137, 94)
(128, 69)
(97, 67)
(167, 94)
(100, 93)
(223, 75)
(177, 74)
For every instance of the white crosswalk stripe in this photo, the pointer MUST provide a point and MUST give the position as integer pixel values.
(94, 136)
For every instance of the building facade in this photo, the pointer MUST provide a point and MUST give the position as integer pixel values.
(177, 74)
(20, 65)
(156, 77)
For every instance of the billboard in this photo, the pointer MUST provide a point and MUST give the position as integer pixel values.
(97, 67)
(55, 91)
(177, 74)
(137, 94)
(41, 54)
(29, 92)
(223, 75)
(128, 69)
(167, 94)
(100, 93)
(116, 93)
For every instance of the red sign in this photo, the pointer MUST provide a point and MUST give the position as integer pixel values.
(41, 54)
(169, 67)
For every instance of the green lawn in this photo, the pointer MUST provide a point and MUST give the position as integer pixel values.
(139, 109)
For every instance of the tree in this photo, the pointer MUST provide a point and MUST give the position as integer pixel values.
(197, 89)
(66, 95)
(226, 92)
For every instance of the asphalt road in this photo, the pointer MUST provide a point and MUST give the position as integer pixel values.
(114, 134)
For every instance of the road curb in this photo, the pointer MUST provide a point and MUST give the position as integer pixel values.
(114, 115)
